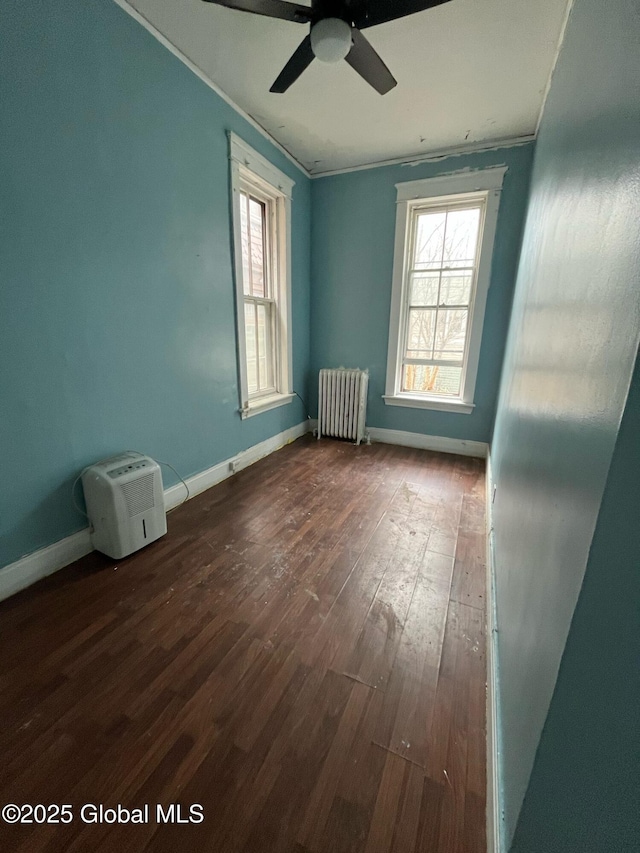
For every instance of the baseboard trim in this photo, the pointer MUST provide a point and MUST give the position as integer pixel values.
(46, 561)
(199, 483)
(439, 443)
(26, 571)
(494, 801)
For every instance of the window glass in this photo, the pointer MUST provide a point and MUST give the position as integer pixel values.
(441, 266)
(259, 308)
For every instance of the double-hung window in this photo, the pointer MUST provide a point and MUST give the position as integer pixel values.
(261, 200)
(444, 238)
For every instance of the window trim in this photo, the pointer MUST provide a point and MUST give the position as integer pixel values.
(250, 167)
(411, 195)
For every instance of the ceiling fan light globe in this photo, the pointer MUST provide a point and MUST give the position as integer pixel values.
(330, 39)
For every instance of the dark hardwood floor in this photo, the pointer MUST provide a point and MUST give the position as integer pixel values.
(303, 655)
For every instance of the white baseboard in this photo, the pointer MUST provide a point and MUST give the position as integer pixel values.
(46, 561)
(206, 479)
(439, 443)
(494, 803)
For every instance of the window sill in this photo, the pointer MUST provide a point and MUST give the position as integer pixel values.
(438, 404)
(264, 404)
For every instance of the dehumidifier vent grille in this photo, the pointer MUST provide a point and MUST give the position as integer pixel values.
(139, 494)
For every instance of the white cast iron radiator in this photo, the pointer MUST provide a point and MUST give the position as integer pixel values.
(342, 403)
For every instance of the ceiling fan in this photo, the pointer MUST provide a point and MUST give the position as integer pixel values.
(335, 33)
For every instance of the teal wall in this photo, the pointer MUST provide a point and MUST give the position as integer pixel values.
(353, 233)
(572, 346)
(116, 304)
(585, 787)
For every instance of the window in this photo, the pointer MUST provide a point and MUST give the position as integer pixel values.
(444, 237)
(261, 198)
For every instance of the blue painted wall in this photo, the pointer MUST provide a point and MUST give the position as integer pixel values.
(571, 350)
(585, 786)
(116, 307)
(352, 245)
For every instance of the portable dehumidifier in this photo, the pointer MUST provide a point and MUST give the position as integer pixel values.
(125, 503)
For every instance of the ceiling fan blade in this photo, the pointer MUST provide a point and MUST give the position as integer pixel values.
(270, 8)
(363, 59)
(301, 59)
(369, 13)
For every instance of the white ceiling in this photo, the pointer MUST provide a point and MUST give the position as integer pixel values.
(468, 72)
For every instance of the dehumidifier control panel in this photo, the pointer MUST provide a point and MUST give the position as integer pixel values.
(126, 469)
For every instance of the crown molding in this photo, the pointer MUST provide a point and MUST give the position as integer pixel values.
(563, 30)
(434, 156)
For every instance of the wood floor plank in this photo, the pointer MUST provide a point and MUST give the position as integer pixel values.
(385, 813)
(468, 578)
(417, 665)
(321, 799)
(407, 827)
(375, 649)
(303, 655)
(429, 829)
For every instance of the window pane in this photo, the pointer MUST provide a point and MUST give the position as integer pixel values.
(244, 231)
(254, 249)
(252, 350)
(422, 323)
(461, 237)
(430, 229)
(424, 288)
(265, 348)
(455, 288)
(423, 379)
(257, 220)
(451, 329)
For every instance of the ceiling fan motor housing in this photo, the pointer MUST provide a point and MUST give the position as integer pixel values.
(330, 39)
